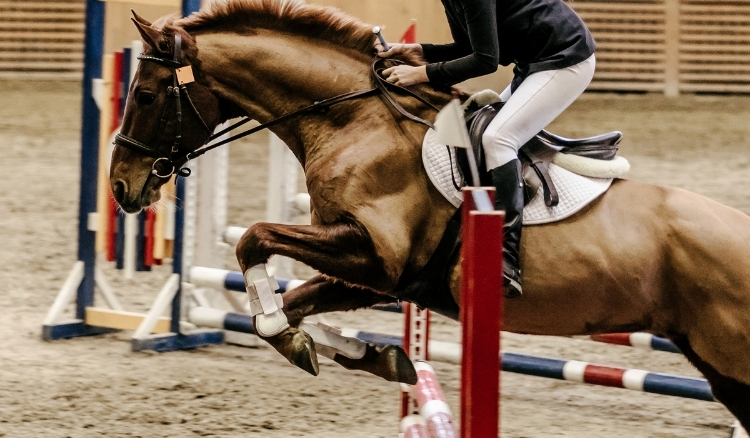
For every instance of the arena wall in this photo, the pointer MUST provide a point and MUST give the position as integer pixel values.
(668, 46)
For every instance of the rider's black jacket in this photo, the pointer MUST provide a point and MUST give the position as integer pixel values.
(535, 35)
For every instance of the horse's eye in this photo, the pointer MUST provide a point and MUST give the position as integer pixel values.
(145, 98)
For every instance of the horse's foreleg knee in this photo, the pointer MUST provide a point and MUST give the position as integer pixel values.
(343, 251)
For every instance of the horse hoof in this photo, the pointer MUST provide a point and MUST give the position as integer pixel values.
(303, 353)
(402, 368)
(390, 363)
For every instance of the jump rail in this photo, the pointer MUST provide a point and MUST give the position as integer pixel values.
(571, 370)
(233, 280)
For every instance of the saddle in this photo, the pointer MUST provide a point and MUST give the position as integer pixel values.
(536, 155)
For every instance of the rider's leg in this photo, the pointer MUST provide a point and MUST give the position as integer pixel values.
(537, 101)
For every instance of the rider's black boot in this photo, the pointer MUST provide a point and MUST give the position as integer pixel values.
(508, 183)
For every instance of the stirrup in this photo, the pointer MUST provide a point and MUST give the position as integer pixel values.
(512, 286)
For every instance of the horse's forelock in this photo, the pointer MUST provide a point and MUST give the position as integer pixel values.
(166, 21)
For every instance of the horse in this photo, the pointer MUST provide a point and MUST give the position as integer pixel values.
(640, 257)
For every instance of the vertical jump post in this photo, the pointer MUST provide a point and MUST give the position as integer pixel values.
(481, 310)
(82, 280)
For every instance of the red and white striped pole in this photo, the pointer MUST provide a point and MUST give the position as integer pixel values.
(416, 339)
(481, 311)
(431, 402)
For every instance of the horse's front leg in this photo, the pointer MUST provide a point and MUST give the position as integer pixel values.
(342, 251)
(322, 295)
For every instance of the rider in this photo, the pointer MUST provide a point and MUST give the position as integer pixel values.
(553, 53)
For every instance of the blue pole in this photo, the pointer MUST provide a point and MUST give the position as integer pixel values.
(94, 42)
(188, 7)
(177, 252)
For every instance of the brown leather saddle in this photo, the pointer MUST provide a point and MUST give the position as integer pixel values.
(536, 155)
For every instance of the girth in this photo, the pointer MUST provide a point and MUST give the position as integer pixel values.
(536, 155)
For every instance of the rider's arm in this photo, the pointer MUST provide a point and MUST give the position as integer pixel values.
(472, 53)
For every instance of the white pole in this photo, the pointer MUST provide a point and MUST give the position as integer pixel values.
(66, 294)
(280, 198)
(129, 249)
(163, 300)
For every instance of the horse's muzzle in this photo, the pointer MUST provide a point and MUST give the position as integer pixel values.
(129, 204)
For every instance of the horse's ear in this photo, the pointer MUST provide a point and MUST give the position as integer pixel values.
(153, 38)
(140, 19)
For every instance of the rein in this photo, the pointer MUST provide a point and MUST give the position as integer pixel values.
(176, 159)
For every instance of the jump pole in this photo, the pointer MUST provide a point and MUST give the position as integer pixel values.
(481, 310)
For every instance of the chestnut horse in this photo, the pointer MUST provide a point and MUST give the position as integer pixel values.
(640, 257)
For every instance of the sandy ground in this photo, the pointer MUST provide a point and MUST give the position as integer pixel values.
(97, 387)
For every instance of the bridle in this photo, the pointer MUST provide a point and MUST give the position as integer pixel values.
(175, 159)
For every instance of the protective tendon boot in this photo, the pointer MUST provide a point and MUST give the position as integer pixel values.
(508, 182)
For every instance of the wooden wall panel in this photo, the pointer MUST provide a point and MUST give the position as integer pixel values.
(670, 46)
(714, 47)
(41, 39)
(631, 43)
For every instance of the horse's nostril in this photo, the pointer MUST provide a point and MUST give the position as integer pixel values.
(118, 191)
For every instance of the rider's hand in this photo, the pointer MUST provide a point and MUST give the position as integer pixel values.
(405, 75)
(398, 48)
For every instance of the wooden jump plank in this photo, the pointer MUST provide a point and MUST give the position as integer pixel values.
(118, 319)
(625, 86)
(42, 46)
(582, 7)
(628, 66)
(719, 28)
(625, 18)
(42, 6)
(739, 17)
(629, 76)
(703, 9)
(715, 77)
(17, 66)
(30, 56)
(709, 3)
(41, 36)
(646, 58)
(42, 76)
(596, 26)
(715, 48)
(695, 58)
(175, 3)
(715, 88)
(49, 16)
(715, 38)
(709, 70)
(630, 37)
(44, 27)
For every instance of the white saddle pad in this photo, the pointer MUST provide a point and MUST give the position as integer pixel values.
(575, 191)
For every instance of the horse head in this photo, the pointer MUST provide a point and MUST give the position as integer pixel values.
(167, 116)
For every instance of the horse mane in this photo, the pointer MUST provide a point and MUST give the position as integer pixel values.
(292, 16)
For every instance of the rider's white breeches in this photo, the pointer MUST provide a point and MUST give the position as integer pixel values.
(540, 98)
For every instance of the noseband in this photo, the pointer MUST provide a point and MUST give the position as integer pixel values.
(176, 159)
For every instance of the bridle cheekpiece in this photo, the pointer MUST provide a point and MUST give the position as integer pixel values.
(175, 159)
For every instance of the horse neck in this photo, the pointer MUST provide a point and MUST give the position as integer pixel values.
(267, 75)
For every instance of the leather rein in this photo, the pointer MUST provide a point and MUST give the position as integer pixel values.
(175, 159)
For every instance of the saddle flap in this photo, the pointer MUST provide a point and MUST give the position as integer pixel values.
(476, 123)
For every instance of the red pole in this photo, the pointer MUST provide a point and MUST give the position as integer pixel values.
(481, 310)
